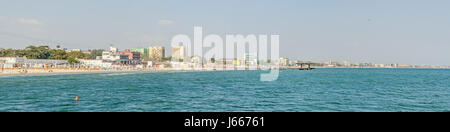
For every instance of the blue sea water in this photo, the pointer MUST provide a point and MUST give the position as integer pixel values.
(232, 91)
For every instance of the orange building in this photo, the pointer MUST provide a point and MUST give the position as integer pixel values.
(131, 55)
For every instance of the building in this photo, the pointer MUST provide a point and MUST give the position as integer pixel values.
(113, 49)
(95, 63)
(284, 61)
(44, 63)
(251, 59)
(346, 64)
(110, 56)
(404, 66)
(156, 52)
(131, 55)
(74, 50)
(292, 62)
(197, 59)
(86, 51)
(222, 61)
(12, 62)
(19, 62)
(121, 58)
(178, 52)
(150, 63)
(143, 51)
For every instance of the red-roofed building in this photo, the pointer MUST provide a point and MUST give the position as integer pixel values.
(131, 55)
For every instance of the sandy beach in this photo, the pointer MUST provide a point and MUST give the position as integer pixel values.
(21, 72)
(65, 71)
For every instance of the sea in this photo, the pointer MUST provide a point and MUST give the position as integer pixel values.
(319, 90)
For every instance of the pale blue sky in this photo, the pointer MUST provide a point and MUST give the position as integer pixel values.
(379, 31)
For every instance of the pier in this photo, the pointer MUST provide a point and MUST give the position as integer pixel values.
(302, 66)
(307, 64)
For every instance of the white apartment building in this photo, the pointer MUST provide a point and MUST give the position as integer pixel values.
(284, 61)
(113, 56)
(178, 53)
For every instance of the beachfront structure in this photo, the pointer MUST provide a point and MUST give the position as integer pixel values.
(11, 62)
(284, 61)
(178, 52)
(150, 63)
(131, 55)
(111, 56)
(44, 63)
(156, 52)
(95, 63)
(226, 62)
(197, 60)
(23, 62)
(121, 58)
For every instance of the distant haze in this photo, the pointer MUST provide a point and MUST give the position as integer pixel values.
(382, 31)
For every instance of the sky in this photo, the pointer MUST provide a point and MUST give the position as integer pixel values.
(381, 31)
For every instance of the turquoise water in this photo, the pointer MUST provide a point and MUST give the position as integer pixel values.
(317, 90)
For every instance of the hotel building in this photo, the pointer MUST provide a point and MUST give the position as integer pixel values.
(156, 52)
(178, 52)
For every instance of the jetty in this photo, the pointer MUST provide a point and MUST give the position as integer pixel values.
(302, 66)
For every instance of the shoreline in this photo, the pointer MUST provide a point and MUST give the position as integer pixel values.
(16, 72)
(11, 73)
(55, 73)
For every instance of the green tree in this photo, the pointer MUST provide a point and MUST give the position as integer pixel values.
(95, 53)
(78, 54)
(169, 58)
(6, 52)
(33, 52)
(72, 60)
(58, 54)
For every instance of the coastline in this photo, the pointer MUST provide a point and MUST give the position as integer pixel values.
(9, 73)
(34, 72)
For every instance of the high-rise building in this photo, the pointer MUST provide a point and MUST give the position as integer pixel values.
(156, 52)
(178, 52)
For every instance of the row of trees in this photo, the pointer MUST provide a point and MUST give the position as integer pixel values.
(44, 52)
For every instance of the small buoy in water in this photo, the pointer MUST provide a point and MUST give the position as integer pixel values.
(76, 98)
